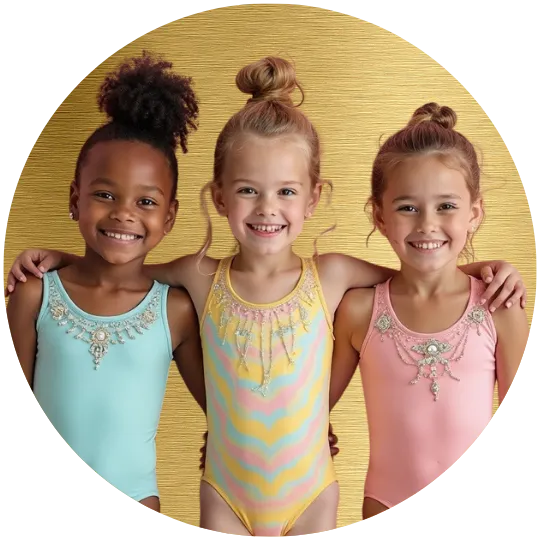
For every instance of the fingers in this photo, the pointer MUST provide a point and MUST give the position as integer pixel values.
(203, 452)
(524, 297)
(487, 274)
(11, 282)
(519, 295)
(46, 264)
(505, 295)
(332, 441)
(496, 283)
(28, 264)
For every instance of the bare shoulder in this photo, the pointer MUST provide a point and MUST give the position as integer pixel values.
(354, 314)
(182, 316)
(357, 304)
(330, 263)
(179, 304)
(507, 321)
(28, 295)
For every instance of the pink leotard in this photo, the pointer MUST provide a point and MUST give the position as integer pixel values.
(421, 417)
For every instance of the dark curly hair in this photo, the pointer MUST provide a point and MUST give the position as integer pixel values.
(146, 102)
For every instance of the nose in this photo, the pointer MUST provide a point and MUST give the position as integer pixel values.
(122, 212)
(427, 222)
(266, 206)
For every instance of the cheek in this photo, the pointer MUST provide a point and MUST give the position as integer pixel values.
(159, 219)
(238, 210)
(298, 206)
(89, 213)
(396, 228)
(459, 224)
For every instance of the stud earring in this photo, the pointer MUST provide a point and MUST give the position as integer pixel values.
(71, 215)
(473, 229)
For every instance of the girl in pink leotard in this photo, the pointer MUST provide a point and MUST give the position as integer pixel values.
(429, 351)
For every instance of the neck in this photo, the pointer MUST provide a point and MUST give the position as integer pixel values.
(427, 284)
(94, 270)
(247, 261)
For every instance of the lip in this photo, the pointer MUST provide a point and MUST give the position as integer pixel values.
(266, 234)
(138, 236)
(426, 241)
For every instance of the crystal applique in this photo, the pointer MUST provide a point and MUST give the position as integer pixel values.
(101, 335)
(435, 356)
(276, 324)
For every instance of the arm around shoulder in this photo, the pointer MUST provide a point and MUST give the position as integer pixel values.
(512, 334)
(188, 272)
(187, 352)
(22, 312)
(352, 272)
(350, 329)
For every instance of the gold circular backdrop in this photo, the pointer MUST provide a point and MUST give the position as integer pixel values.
(361, 83)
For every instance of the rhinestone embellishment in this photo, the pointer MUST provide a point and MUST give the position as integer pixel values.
(432, 358)
(275, 325)
(101, 335)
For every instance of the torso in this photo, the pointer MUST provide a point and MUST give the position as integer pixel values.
(428, 394)
(267, 370)
(108, 415)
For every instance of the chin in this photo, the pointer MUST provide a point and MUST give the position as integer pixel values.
(119, 258)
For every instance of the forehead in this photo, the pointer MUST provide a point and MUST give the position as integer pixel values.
(127, 162)
(267, 159)
(423, 177)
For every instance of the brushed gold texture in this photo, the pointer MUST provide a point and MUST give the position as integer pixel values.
(361, 83)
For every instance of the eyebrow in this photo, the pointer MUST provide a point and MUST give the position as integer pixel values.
(111, 183)
(285, 183)
(443, 196)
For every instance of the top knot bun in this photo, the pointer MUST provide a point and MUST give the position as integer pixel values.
(269, 79)
(143, 94)
(432, 112)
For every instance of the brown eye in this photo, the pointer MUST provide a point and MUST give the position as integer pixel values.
(447, 206)
(147, 202)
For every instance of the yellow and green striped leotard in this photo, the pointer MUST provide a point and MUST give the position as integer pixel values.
(267, 371)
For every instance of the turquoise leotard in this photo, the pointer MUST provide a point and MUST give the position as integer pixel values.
(103, 396)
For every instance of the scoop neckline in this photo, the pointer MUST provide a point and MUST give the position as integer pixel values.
(430, 334)
(269, 305)
(103, 318)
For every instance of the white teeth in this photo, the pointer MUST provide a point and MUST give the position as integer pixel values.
(118, 236)
(267, 228)
(427, 245)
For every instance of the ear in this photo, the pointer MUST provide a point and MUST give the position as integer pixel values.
(378, 220)
(477, 215)
(171, 216)
(218, 199)
(314, 199)
(74, 200)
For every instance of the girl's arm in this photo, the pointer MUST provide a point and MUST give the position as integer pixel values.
(22, 312)
(512, 333)
(499, 275)
(39, 261)
(36, 262)
(171, 273)
(350, 273)
(350, 328)
(187, 353)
